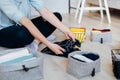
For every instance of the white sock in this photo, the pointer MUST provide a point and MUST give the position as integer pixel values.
(33, 45)
(51, 37)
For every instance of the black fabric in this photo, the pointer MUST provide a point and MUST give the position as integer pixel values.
(67, 44)
(91, 56)
(116, 62)
(116, 69)
(18, 36)
(15, 36)
(45, 27)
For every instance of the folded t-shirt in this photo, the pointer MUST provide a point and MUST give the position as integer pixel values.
(20, 59)
(82, 58)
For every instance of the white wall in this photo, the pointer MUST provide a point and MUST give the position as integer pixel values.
(53, 5)
(57, 5)
(74, 3)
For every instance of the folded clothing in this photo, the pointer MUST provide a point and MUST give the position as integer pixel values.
(20, 59)
(16, 56)
(101, 30)
(90, 57)
(81, 58)
(67, 44)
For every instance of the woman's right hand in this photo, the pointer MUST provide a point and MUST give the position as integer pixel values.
(56, 48)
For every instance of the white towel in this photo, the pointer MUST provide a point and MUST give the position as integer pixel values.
(14, 55)
(83, 58)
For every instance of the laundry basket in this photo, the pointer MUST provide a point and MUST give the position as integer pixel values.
(79, 33)
(31, 69)
(116, 62)
(101, 35)
(79, 68)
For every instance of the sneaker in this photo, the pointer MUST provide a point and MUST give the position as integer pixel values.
(34, 46)
(51, 37)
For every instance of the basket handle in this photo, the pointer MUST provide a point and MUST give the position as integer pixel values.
(25, 68)
(93, 72)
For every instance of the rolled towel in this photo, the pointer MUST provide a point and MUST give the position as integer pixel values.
(82, 58)
(14, 55)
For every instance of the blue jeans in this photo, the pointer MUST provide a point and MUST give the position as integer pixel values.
(18, 36)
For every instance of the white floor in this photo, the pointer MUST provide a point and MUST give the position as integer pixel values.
(55, 67)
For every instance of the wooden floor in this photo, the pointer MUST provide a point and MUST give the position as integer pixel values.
(55, 67)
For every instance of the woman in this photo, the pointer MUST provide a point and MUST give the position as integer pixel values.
(17, 30)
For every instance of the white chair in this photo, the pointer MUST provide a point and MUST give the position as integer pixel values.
(81, 7)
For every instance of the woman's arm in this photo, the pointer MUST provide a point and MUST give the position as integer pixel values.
(51, 18)
(38, 35)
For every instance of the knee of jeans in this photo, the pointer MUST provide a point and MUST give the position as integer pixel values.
(24, 37)
(58, 15)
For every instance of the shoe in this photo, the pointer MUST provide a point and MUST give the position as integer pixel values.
(51, 37)
(34, 46)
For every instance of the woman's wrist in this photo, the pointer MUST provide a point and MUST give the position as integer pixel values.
(47, 43)
(64, 29)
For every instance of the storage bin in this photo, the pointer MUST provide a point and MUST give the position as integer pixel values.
(25, 70)
(79, 33)
(81, 69)
(116, 62)
(101, 35)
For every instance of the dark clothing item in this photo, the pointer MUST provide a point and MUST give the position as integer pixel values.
(67, 44)
(18, 36)
(91, 56)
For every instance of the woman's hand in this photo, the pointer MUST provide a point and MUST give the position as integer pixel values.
(56, 48)
(51, 18)
(68, 33)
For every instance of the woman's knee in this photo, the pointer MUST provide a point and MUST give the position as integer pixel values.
(24, 37)
(58, 15)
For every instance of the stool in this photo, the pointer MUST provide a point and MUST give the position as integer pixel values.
(101, 35)
(81, 7)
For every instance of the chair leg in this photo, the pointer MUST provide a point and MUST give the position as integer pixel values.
(81, 11)
(101, 10)
(69, 6)
(107, 11)
(78, 8)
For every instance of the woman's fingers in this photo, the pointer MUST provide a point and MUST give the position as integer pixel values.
(56, 49)
(59, 50)
(69, 35)
(72, 36)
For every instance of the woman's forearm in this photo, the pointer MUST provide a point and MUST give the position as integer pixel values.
(33, 30)
(51, 18)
